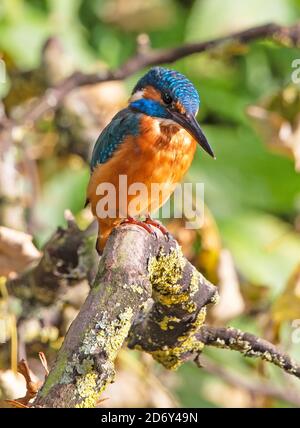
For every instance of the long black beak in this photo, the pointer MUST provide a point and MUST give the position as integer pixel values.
(190, 124)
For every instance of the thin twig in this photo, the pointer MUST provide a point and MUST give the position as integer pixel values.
(249, 345)
(148, 57)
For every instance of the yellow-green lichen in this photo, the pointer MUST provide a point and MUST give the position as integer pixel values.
(137, 289)
(171, 357)
(85, 366)
(196, 324)
(86, 387)
(116, 332)
(171, 299)
(164, 323)
(189, 306)
(166, 272)
(108, 335)
(194, 282)
(215, 298)
(267, 356)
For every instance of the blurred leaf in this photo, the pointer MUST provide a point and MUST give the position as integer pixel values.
(277, 121)
(287, 305)
(212, 18)
(16, 251)
(22, 26)
(64, 190)
(258, 73)
(66, 25)
(190, 390)
(231, 303)
(245, 175)
(266, 250)
(217, 100)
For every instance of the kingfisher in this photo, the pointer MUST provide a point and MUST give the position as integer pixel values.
(152, 140)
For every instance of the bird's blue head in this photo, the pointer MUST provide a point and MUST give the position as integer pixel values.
(168, 94)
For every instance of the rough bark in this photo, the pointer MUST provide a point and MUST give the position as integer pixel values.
(180, 295)
(147, 292)
(249, 345)
(132, 264)
(84, 365)
(68, 260)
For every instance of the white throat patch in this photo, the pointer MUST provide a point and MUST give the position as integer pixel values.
(136, 96)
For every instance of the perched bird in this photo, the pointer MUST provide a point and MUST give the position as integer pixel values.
(152, 140)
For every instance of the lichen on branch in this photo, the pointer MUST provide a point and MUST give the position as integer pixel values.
(148, 293)
(85, 363)
(180, 293)
(249, 345)
(133, 268)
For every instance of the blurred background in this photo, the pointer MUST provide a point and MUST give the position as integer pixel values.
(250, 243)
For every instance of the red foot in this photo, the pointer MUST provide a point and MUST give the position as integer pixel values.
(158, 225)
(131, 220)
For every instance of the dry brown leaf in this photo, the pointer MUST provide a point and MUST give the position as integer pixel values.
(287, 305)
(17, 404)
(32, 383)
(12, 384)
(277, 121)
(16, 251)
(231, 303)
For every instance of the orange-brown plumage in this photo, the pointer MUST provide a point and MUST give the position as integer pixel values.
(160, 154)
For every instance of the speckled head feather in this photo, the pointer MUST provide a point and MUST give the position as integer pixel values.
(173, 83)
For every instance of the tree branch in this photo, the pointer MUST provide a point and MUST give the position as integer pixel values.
(145, 289)
(85, 363)
(148, 57)
(67, 261)
(167, 330)
(133, 264)
(249, 345)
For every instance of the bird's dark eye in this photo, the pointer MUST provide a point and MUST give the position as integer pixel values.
(167, 99)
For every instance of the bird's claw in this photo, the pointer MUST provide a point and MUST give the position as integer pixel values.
(154, 234)
(167, 236)
(143, 225)
(146, 225)
(158, 226)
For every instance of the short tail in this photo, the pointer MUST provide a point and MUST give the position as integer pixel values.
(103, 234)
(100, 244)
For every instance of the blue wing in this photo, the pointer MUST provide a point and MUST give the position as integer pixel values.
(125, 123)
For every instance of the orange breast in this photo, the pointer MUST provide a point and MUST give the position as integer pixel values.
(161, 155)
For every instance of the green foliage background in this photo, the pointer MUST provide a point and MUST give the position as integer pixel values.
(253, 193)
